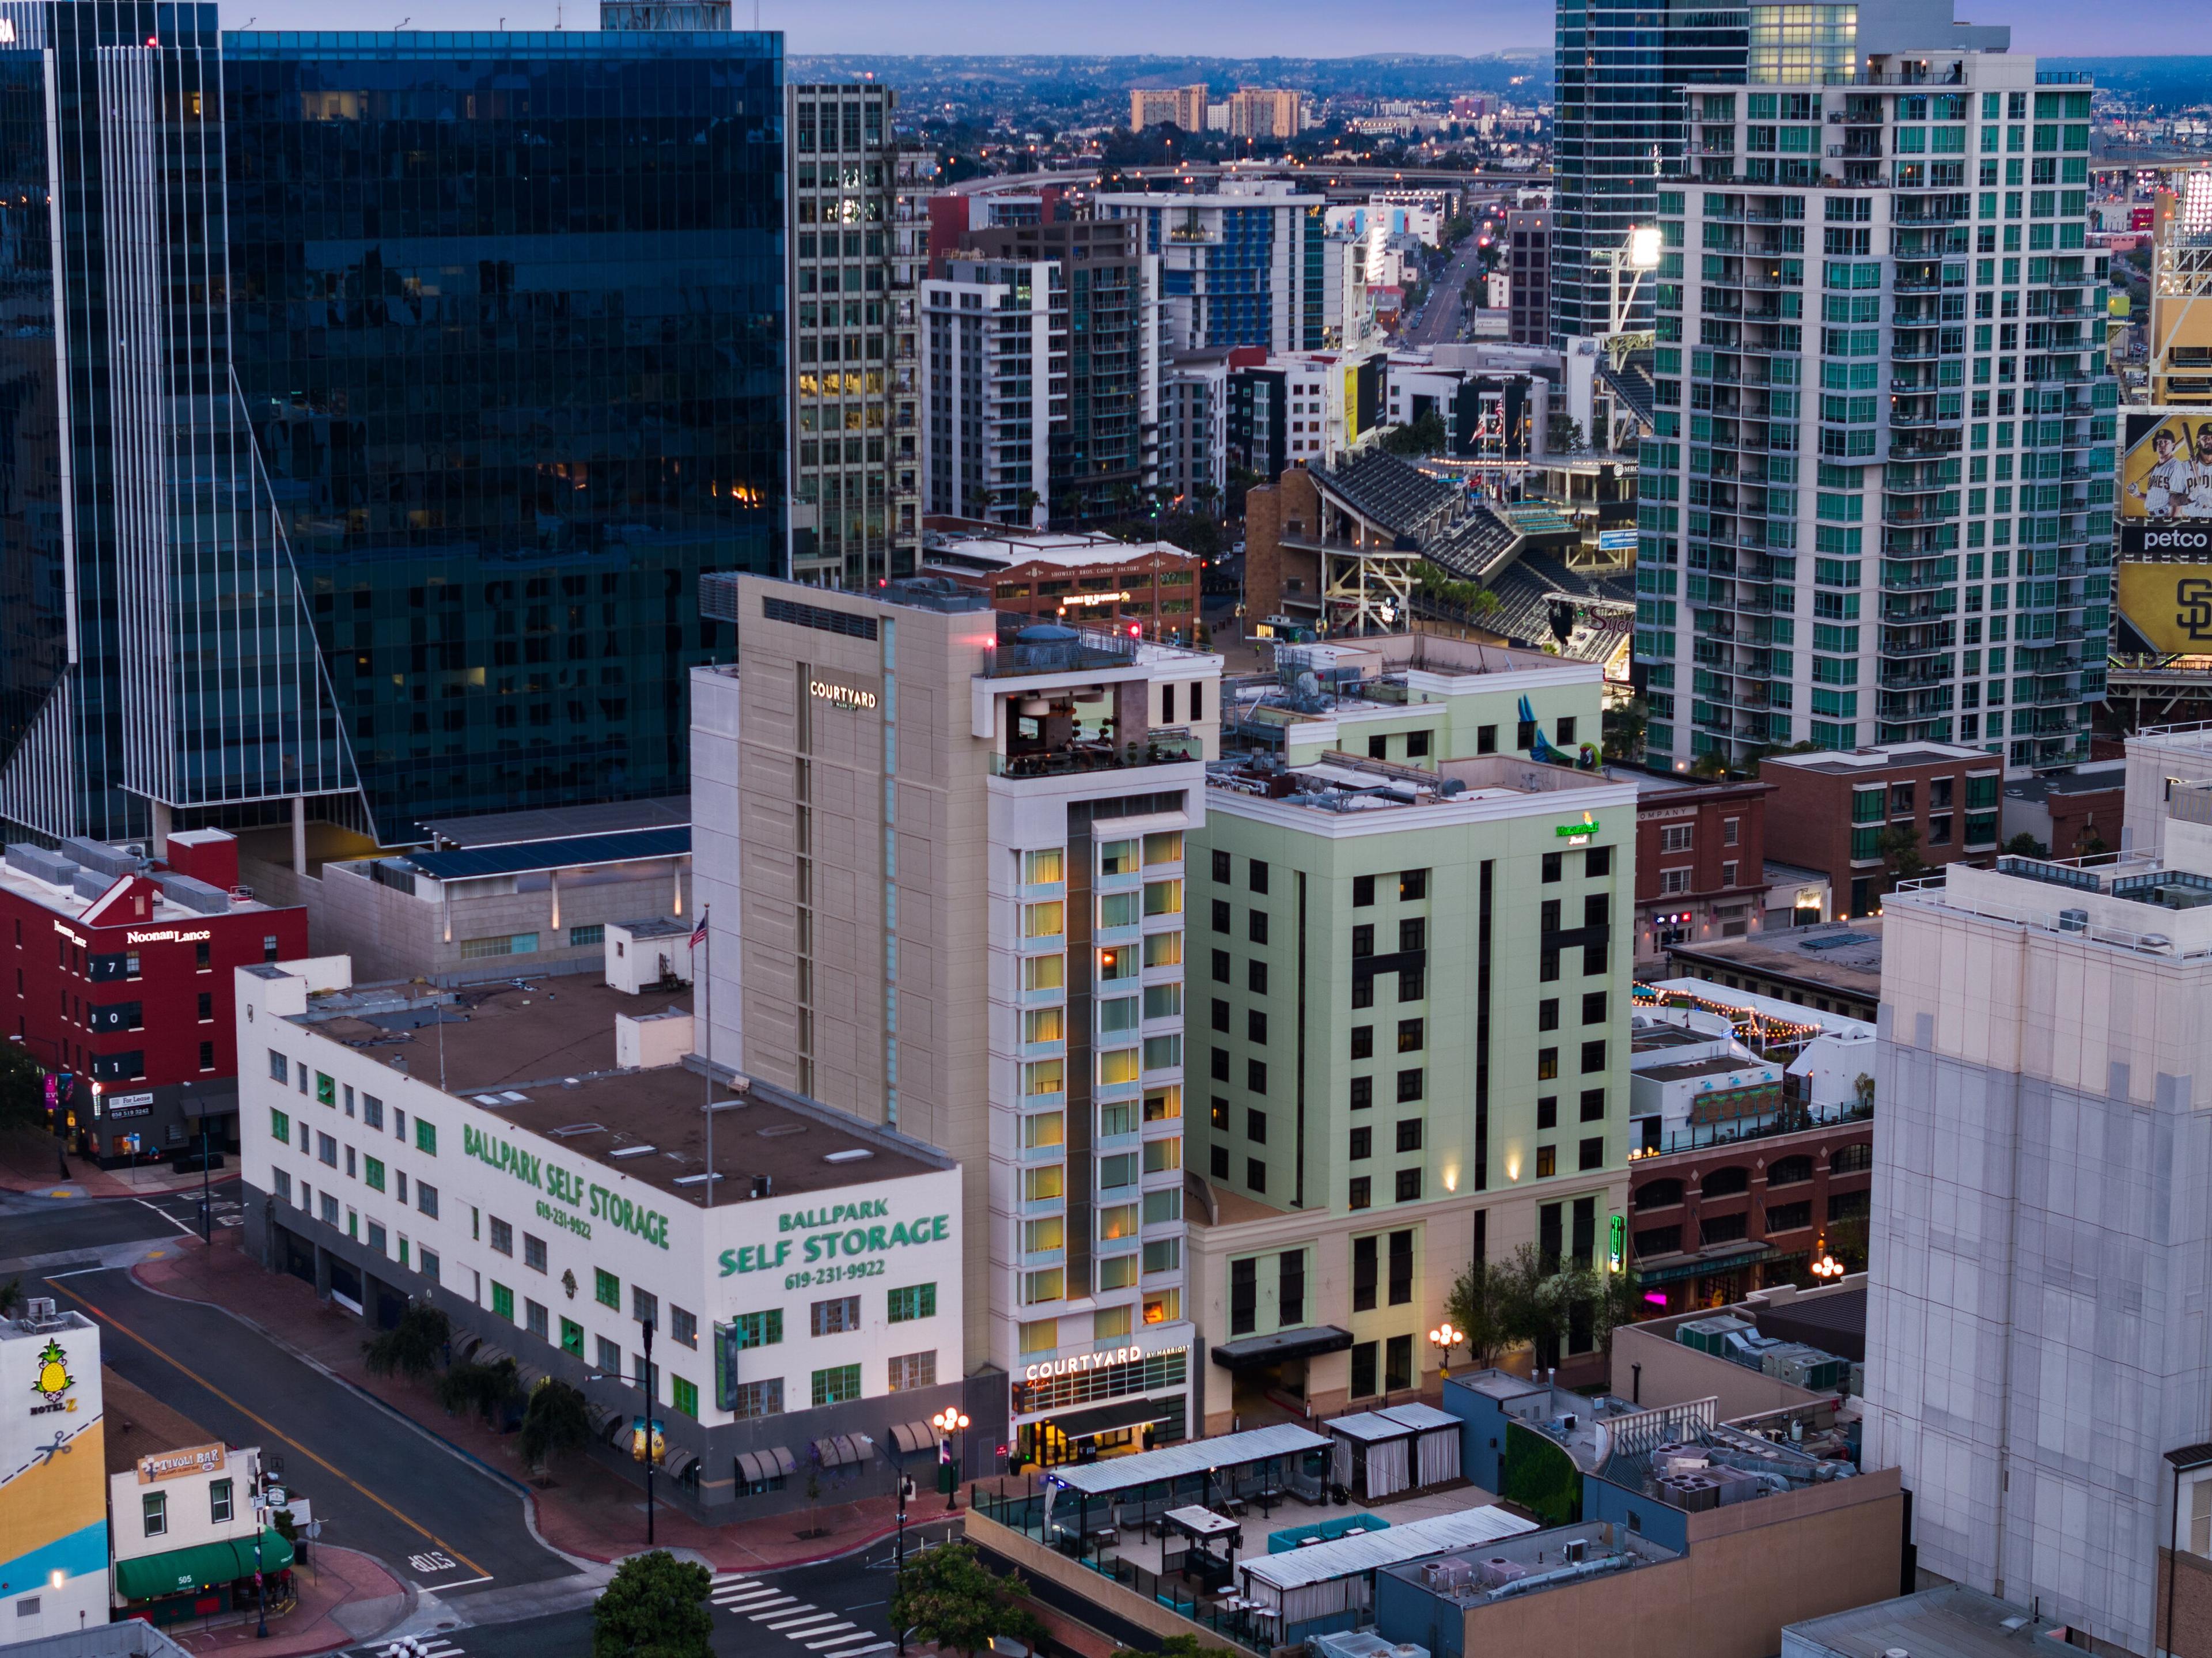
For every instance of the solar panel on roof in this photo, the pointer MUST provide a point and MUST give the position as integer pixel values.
(1838, 941)
(630, 845)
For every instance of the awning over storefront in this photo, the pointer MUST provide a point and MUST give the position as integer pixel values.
(611, 1423)
(677, 1461)
(838, 1450)
(909, 1437)
(1306, 1343)
(775, 1463)
(181, 1571)
(1122, 1413)
(1721, 1258)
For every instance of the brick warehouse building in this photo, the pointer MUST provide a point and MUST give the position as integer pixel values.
(1700, 862)
(132, 999)
(1830, 810)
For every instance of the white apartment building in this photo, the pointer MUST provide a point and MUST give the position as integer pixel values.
(946, 846)
(547, 1163)
(1876, 496)
(1193, 452)
(1041, 353)
(2041, 1244)
(1240, 265)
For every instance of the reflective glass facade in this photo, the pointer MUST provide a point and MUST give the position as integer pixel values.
(372, 405)
(1621, 69)
(509, 324)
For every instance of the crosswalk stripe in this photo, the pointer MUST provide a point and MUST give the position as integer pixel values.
(790, 1603)
(862, 1652)
(723, 1597)
(731, 1585)
(817, 1646)
(809, 1616)
(722, 1578)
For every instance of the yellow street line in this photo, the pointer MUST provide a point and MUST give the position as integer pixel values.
(265, 1426)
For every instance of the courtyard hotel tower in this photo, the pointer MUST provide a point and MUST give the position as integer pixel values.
(944, 853)
(1875, 504)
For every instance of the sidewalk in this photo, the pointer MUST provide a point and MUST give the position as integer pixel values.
(588, 1511)
(345, 1599)
(27, 1163)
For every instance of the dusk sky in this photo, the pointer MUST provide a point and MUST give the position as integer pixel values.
(1321, 28)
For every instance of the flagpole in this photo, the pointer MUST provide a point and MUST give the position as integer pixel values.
(706, 1005)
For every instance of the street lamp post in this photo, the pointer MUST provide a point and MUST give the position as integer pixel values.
(950, 1421)
(898, 1572)
(651, 1391)
(1443, 1339)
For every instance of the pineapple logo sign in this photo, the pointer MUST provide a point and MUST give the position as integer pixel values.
(53, 1381)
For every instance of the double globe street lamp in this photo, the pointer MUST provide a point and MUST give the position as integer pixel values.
(948, 1422)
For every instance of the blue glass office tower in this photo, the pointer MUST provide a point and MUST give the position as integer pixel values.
(417, 380)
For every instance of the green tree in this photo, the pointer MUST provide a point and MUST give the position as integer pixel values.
(1711, 763)
(1426, 436)
(22, 1091)
(2024, 845)
(1623, 726)
(1901, 854)
(490, 1390)
(1179, 1646)
(946, 1595)
(11, 1295)
(1528, 1307)
(1477, 1307)
(655, 1607)
(558, 1418)
(413, 1348)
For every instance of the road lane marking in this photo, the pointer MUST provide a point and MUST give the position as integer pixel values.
(829, 1629)
(798, 1615)
(167, 1217)
(269, 1427)
(787, 1602)
(751, 1599)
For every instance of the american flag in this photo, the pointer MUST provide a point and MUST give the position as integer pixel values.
(699, 932)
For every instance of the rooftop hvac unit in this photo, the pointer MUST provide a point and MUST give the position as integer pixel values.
(2073, 920)
(1497, 1570)
(1706, 1334)
(35, 860)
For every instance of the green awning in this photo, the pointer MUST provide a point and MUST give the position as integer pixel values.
(181, 1571)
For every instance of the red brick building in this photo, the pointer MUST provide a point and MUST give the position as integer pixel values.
(1081, 580)
(1831, 811)
(1700, 862)
(1709, 1226)
(123, 985)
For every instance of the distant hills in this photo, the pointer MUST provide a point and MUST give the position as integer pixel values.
(1075, 79)
(2163, 80)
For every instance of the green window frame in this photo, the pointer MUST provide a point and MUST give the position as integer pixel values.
(372, 1174)
(502, 1303)
(1869, 805)
(1982, 791)
(838, 1385)
(684, 1395)
(1866, 842)
(326, 1088)
(425, 1137)
(280, 1125)
(572, 1337)
(913, 1301)
(1981, 828)
(606, 1288)
(759, 1329)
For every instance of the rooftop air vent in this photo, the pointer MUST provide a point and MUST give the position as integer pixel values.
(776, 1130)
(854, 1154)
(630, 1150)
(576, 1128)
(695, 1180)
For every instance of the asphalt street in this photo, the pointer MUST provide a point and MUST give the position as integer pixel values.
(1441, 321)
(38, 1232)
(837, 1609)
(377, 1483)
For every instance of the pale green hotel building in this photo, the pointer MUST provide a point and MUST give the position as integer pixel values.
(1408, 983)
